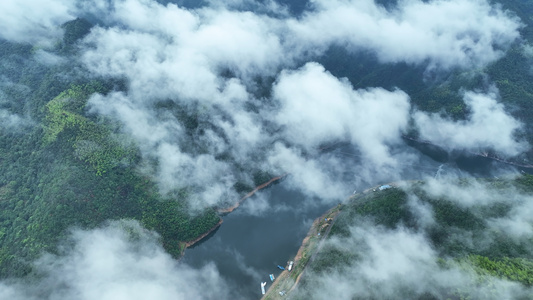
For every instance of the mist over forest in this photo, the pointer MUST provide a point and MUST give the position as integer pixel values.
(127, 126)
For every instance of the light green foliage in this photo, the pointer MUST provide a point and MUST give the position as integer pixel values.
(59, 119)
(516, 269)
(45, 190)
(72, 169)
(65, 111)
(76, 171)
(92, 142)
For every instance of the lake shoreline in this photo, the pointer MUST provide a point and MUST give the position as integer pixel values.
(225, 211)
(201, 237)
(230, 209)
(319, 230)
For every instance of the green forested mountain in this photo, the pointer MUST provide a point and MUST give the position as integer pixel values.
(63, 168)
(72, 172)
(441, 92)
(463, 238)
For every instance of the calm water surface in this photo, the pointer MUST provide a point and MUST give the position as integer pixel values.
(247, 248)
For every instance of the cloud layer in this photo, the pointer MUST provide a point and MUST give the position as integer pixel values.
(488, 126)
(216, 93)
(316, 108)
(213, 65)
(392, 264)
(444, 33)
(119, 261)
(378, 262)
(36, 22)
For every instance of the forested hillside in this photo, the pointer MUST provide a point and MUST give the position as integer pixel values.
(442, 92)
(167, 118)
(463, 228)
(63, 168)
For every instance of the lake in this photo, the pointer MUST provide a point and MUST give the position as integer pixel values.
(268, 228)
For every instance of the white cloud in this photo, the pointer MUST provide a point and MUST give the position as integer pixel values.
(120, 261)
(316, 108)
(488, 126)
(204, 61)
(317, 177)
(452, 33)
(12, 121)
(170, 53)
(182, 52)
(468, 194)
(31, 21)
(180, 58)
(380, 263)
(392, 264)
(514, 208)
(47, 58)
(518, 223)
(210, 179)
(140, 121)
(422, 212)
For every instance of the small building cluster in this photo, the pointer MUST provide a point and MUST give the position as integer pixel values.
(385, 187)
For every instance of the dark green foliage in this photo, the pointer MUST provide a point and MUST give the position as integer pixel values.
(75, 30)
(387, 208)
(261, 177)
(179, 224)
(78, 171)
(442, 91)
(46, 190)
(13, 59)
(512, 75)
(332, 258)
(8, 49)
(525, 183)
(521, 9)
(449, 214)
(488, 251)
